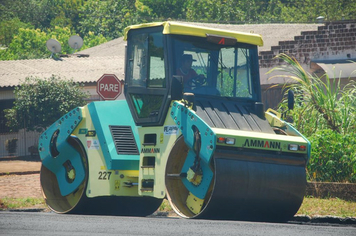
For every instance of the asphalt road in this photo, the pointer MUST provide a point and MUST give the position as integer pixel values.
(29, 223)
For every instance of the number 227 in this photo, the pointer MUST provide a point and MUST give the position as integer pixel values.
(103, 175)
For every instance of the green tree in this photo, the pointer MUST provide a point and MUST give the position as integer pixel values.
(39, 102)
(36, 12)
(10, 9)
(91, 40)
(10, 28)
(31, 43)
(26, 25)
(210, 10)
(109, 18)
(233, 11)
(270, 11)
(309, 10)
(28, 44)
(164, 9)
(67, 14)
(43, 14)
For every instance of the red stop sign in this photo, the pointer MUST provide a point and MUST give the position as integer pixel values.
(108, 87)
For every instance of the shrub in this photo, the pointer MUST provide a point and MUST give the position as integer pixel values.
(333, 157)
(326, 114)
(41, 101)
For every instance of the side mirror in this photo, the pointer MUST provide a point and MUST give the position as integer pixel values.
(290, 99)
(260, 110)
(177, 87)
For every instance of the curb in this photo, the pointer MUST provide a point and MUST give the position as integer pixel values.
(345, 191)
(20, 173)
(28, 210)
(324, 220)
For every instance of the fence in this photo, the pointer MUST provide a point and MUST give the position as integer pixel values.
(272, 96)
(26, 142)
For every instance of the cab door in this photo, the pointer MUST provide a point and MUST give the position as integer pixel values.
(146, 76)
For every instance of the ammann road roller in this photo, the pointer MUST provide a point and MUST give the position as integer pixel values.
(204, 142)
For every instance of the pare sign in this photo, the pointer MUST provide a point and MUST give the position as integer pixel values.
(109, 87)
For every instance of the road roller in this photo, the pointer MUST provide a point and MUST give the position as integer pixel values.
(192, 129)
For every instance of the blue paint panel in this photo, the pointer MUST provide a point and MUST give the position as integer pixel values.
(65, 125)
(186, 119)
(200, 190)
(104, 114)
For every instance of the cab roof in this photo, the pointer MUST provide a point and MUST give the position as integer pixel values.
(170, 27)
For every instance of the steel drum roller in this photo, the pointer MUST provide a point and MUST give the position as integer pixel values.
(51, 190)
(246, 186)
(78, 203)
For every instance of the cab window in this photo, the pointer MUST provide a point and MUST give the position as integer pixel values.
(145, 75)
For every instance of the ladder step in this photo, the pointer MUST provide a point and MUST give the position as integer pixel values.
(147, 166)
(146, 189)
(130, 184)
(180, 175)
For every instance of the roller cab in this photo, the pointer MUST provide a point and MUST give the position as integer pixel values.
(204, 142)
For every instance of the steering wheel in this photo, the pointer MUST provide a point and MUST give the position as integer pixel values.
(197, 81)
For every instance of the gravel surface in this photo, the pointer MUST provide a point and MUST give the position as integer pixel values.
(20, 179)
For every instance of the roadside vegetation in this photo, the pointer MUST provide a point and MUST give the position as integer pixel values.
(324, 112)
(327, 207)
(8, 203)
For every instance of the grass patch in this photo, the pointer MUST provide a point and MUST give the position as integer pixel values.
(165, 206)
(331, 206)
(312, 207)
(18, 203)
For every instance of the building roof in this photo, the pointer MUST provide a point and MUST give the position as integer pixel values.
(85, 70)
(114, 47)
(108, 58)
(339, 69)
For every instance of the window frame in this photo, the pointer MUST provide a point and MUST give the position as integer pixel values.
(147, 90)
(253, 82)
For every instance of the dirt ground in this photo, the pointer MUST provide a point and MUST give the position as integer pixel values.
(20, 178)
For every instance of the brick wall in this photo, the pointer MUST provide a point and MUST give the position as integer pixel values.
(333, 41)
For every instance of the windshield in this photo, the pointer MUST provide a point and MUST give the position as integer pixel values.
(213, 69)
